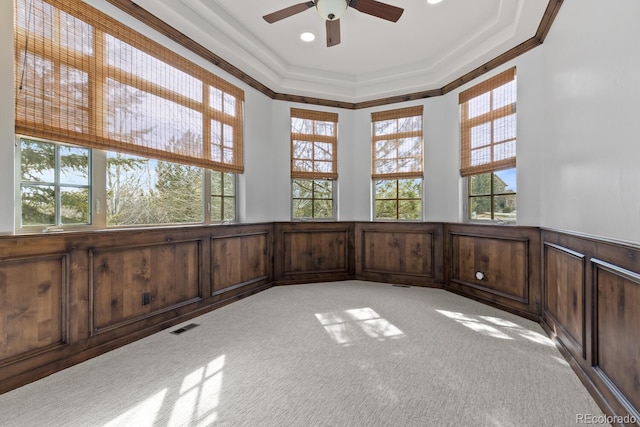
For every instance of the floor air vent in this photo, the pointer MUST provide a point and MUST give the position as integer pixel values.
(402, 286)
(184, 328)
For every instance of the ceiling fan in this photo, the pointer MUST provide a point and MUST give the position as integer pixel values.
(332, 10)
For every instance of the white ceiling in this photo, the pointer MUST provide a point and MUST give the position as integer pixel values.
(429, 47)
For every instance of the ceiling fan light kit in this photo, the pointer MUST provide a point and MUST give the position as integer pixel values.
(332, 10)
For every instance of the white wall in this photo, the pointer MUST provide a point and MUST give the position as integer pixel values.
(591, 154)
(578, 154)
(6, 117)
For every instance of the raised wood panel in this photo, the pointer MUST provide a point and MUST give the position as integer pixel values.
(315, 251)
(169, 272)
(503, 261)
(564, 289)
(33, 304)
(618, 328)
(239, 260)
(398, 252)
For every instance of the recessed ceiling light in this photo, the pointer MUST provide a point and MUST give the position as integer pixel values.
(433, 1)
(307, 37)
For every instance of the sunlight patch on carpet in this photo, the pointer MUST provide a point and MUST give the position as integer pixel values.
(199, 396)
(143, 414)
(347, 327)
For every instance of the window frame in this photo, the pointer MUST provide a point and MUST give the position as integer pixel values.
(313, 175)
(334, 186)
(180, 84)
(397, 114)
(501, 111)
(398, 199)
(98, 192)
(491, 196)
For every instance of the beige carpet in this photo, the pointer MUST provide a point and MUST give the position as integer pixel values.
(331, 354)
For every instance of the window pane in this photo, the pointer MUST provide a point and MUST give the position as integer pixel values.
(408, 124)
(299, 125)
(302, 208)
(325, 128)
(481, 135)
(409, 209)
(38, 161)
(74, 165)
(481, 156)
(503, 151)
(229, 184)
(504, 95)
(38, 205)
(302, 149)
(480, 184)
(387, 189)
(147, 191)
(76, 34)
(323, 189)
(144, 66)
(230, 104)
(216, 183)
(386, 209)
(504, 128)
(480, 208)
(505, 208)
(323, 151)
(479, 105)
(302, 188)
(229, 208)
(322, 167)
(323, 208)
(152, 121)
(74, 207)
(409, 188)
(385, 127)
(504, 181)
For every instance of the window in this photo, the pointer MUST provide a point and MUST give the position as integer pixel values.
(314, 138)
(56, 189)
(55, 184)
(84, 78)
(488, 147)
(223, 197)
(492, 195)
(397, 164)
(95, 97)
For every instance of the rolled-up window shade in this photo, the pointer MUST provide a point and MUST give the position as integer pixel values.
(488, 125)
(84, 78)
(314, 142)
(397, 139)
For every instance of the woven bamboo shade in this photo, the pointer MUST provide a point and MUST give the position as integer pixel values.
(397, 143)
(314, 142)
(85, 78)
(488, 125)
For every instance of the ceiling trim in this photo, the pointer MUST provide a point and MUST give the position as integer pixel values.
(167, 30)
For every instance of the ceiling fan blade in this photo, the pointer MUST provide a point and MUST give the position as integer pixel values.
(377, 9)
(288, 11)
(333, 32)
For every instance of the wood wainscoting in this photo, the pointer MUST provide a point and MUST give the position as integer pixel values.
(66, 297)
(307, 252)
(592, 309)
(499, 265)
(402, 253)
